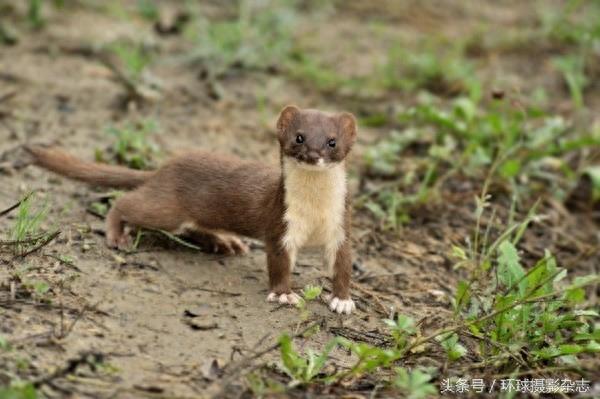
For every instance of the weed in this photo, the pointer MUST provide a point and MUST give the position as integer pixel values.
(593, 173)
(148, 9)
(453, 348)
(262, 387)
(4, 345)
(133, 57)
(258, 38)
(309, 293)
(437, 68)
(464, 140)
(305, 68)
(560, 26)
(26, 231)
(35, 288)
(34, 13)
(133, 146)
(19, 390)
(523, 315)
(303, 369)
(414, 384)
(401, 329)
(572, 68)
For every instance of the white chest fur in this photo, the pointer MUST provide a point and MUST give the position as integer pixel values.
(315, 201)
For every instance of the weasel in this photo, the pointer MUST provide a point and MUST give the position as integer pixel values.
(304, 203)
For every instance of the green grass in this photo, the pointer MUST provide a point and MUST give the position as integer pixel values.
(19, 390)
(148, 9)
(259, 37)
(34, 13)
(437, 67)
(134, 58)
(132, 145)
(26, 231)
(465, 139)
(527, 314)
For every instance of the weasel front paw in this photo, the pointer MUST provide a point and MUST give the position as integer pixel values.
(341, 305)
(122, 241)
(291, 298)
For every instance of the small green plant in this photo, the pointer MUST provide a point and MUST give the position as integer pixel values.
(572, 68)
(512, 142)
(453, 348)
(370, 358)
(260, 37)
(4, 345)
(437, 68)
(309, 293)
(26, 231)
(528, 316)
(415, 384)
(401, 329)
(133, 146)
(261, 386)
(148, 9)
(34, 13)
(593, 173)
(303, 369)
(19, 390)
(134, 59)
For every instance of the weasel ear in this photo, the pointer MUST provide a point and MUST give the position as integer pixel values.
(348, 124)
(286, 117)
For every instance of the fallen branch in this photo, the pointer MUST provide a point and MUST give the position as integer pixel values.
(229, 293)
(47, 241)
(15, 206)
(373, 338)
(85, 358)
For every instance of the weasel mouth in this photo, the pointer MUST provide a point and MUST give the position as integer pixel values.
(311, 164)
(311, 161)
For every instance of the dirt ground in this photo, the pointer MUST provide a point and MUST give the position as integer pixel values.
(161, 316)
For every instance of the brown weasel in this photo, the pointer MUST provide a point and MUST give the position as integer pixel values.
(303, 203)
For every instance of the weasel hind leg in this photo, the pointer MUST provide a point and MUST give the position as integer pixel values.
(146, 209)
(142, 209)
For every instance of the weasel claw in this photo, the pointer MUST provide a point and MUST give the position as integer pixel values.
(291, 298)
(341, 305)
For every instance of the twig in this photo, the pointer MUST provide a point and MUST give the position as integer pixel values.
(86, 307)
(356, 335)
(25, 241)
(47, 241)
(64, 262)
(89, 358)
(216, 291)
(384, 310)
(230, 372)
(15, 206)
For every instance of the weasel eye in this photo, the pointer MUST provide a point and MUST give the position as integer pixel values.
(331, 143)
(299, 139)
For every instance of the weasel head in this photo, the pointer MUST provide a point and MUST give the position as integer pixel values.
(314, 139)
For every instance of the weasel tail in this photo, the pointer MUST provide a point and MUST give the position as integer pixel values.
(93, 173)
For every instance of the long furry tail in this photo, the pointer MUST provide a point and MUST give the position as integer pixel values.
(96, 174)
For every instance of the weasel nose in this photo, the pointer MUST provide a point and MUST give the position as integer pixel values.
(313, 155)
